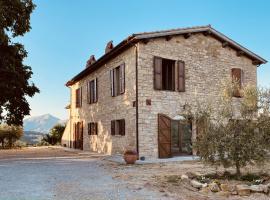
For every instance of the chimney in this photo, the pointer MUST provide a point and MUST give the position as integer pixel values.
(90, 61)
(109, 46)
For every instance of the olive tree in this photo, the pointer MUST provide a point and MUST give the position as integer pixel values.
(239, 132)
(9, 135)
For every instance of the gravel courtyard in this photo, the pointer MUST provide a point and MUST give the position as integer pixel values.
(52, 173)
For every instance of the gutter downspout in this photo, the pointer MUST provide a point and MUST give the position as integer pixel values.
(137, 113)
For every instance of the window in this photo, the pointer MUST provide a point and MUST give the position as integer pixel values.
(92, 94)
(92, 128)
(169, 75)
(117, 76)
(238, 76)
(118, 127)
(79, 98)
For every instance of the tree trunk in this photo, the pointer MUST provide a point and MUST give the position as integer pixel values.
(238, 172)
(10, 142)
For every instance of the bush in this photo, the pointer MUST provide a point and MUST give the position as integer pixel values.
(9, 135)
(54, 136)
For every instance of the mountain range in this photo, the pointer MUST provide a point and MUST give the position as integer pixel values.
(42, 123)
(36, 127)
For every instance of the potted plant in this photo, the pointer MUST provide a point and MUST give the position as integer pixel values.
(130, 156)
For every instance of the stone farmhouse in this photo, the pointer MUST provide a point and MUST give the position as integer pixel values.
(134, 96)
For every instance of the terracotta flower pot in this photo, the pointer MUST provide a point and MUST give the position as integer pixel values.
(130, 158)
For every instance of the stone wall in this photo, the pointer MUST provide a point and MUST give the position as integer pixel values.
(207, 65)
(108, 108)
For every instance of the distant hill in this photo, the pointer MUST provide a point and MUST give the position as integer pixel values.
(42, 123)
(35, 127)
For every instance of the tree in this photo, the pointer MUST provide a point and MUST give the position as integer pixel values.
(54, 135)
(9, 135)
(14, 75)
(236, 137)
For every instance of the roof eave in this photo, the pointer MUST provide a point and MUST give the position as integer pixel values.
(125, 43)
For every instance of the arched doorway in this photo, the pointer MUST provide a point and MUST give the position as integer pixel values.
(174, 137)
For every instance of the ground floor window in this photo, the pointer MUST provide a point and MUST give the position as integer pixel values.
(92, 128)
(118, 127)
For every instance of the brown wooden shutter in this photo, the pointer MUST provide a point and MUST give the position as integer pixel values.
(95, 91)
(81, 97)
(237, 75)
(122, 127)
(181, 76)
(112, 82)
(122, 78)
(88, 91)
(96, 128)
(113, 127)
(164, 136)
(157, 73)
(77, 98)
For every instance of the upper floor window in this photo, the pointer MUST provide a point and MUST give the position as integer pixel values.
(92, 128)
(118, 127)
(117, 76)
(169, 74)
(79, 97)
(92, 94)
(238, 77)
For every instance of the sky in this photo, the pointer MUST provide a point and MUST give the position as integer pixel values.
(65, 33)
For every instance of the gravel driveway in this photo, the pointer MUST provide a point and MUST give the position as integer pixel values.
(53, 173)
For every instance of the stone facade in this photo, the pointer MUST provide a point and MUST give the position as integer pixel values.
(107, 107)
(207, 64)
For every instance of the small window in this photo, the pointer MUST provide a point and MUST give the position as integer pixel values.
(79, 98)
(117, 76)
(92, 94)
(238, 76)
(118, 127)
(169, 75)
(92, 128)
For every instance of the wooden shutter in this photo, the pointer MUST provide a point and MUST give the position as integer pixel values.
(81, 97)
(181, 76)
(88, 91)
(95, 91)
(113, 127)
(122, 127)
(77, 98)
(237, 75)
(164, 136)
(157, 73)
(96, 128)
(122, 78)
(112, 82)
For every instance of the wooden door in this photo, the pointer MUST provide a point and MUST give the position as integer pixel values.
(164, 136)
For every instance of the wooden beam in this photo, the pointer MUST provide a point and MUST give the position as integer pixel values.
(145, 41)
(256, 62)
(240, 53)
(206, 33)
(187, 35)
(168, 37)
(225, 44)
